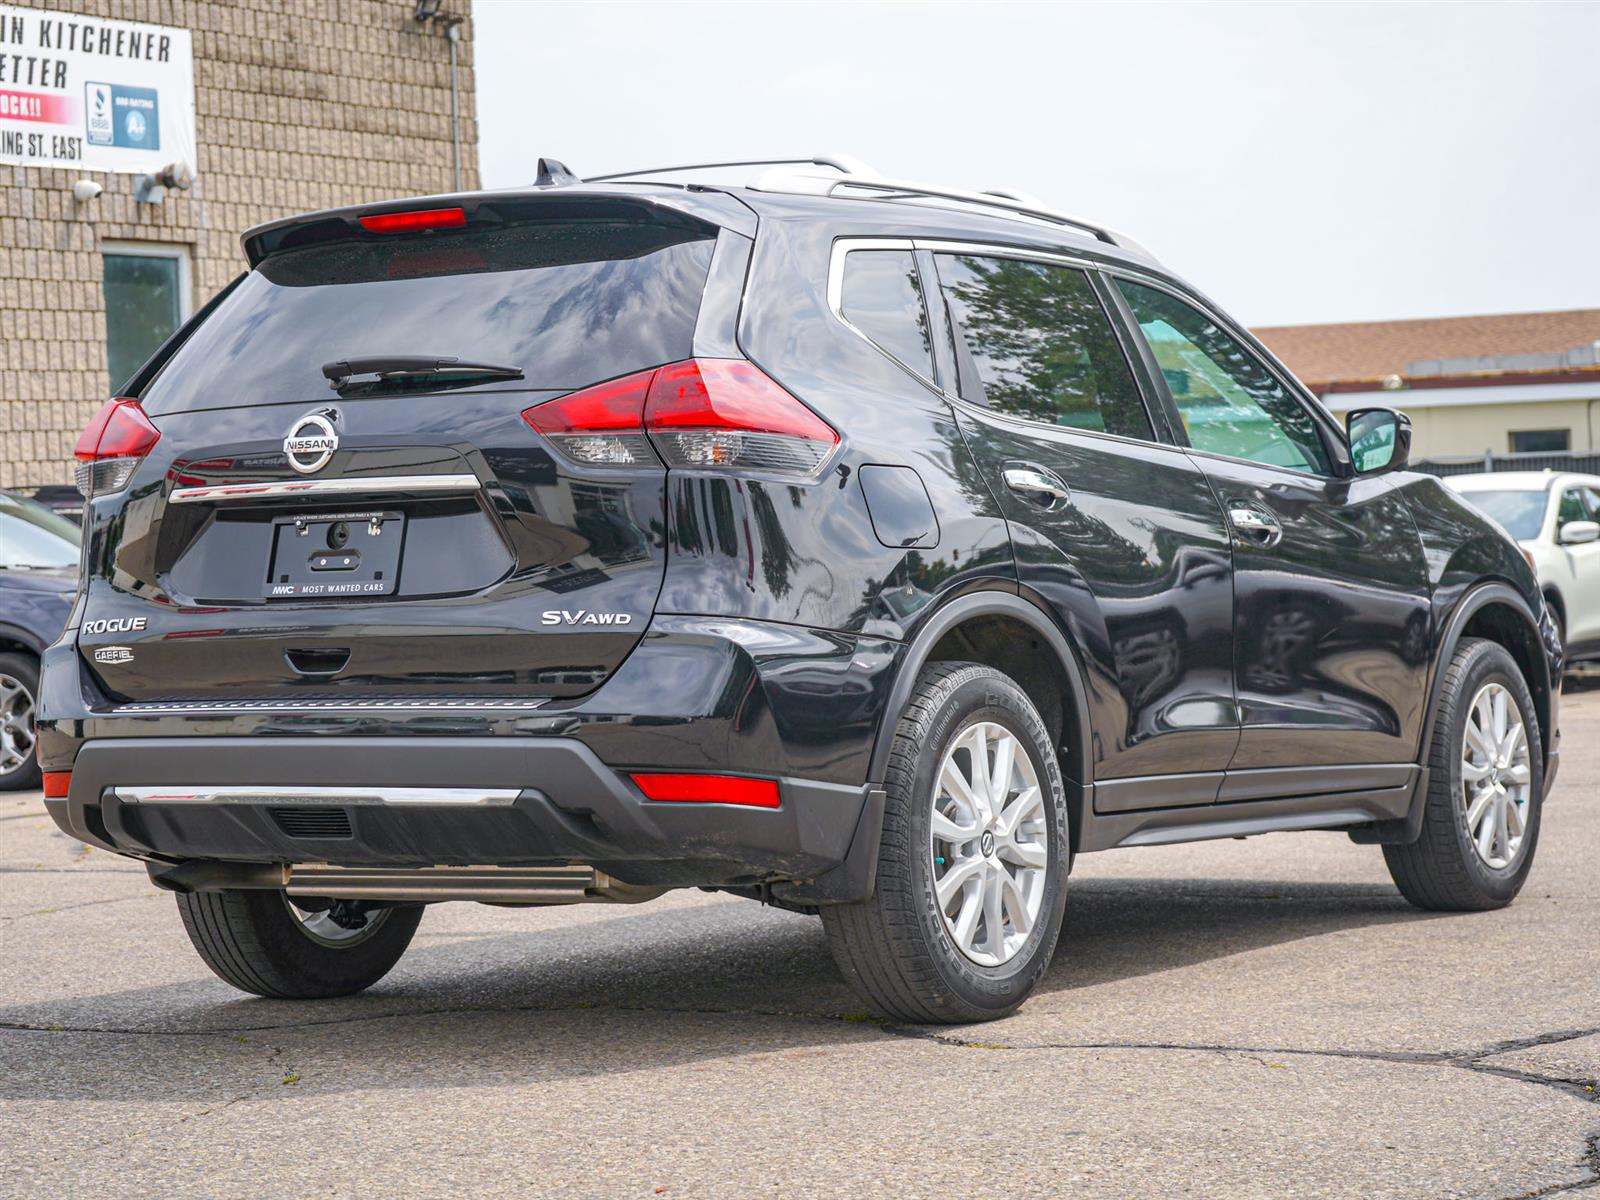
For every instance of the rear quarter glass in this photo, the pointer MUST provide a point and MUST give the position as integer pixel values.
(569, 303)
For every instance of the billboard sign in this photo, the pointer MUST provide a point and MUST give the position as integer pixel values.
(94, 95)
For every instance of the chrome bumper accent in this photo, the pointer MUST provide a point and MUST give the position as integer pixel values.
(326, 487)
(291, 707)
(314, 795)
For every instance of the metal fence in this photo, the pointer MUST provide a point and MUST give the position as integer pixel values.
(1586, 462)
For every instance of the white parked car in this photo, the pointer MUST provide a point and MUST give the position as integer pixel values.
(1556, 518)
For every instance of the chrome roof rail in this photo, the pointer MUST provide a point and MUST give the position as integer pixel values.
(845, 164)
(849, 174)
(810, 183)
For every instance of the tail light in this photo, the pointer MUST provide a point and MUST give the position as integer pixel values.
(115, 442)
(698, 413)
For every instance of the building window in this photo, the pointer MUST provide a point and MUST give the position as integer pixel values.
(1540, 441)
(147, 298)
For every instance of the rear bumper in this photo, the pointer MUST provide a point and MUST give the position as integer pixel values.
(438, 801)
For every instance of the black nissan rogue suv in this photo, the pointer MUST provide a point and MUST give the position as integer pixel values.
(860, 547)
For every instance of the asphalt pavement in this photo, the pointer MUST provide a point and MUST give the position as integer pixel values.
(1238, 1018)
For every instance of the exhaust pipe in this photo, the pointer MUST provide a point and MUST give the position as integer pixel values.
(487, 885)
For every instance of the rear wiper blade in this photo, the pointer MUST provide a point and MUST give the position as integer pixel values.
(386, 366)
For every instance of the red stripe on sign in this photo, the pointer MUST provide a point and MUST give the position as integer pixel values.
(37, 106)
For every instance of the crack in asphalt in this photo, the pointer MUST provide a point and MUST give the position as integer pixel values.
(1587, 1092)
(1468, 1060)
(61, 908)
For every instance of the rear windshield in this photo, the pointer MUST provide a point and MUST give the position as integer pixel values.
(1521, 512)
(569, 303)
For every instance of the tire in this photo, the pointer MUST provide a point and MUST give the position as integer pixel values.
(1443, 870)
(19, 693)
(898, 949)
(255, 941)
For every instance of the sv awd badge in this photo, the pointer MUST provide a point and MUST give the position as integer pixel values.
(560, 616)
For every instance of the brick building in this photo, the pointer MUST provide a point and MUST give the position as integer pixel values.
(297, 104)
(1504, 383)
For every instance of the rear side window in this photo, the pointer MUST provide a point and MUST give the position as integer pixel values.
(1037, 344)
(882, 297)
(569, 303)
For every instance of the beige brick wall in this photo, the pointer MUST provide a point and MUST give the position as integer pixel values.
(299, 104)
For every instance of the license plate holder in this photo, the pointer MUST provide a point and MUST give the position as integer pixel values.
(335, 556)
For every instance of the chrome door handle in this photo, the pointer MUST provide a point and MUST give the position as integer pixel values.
(1260, 527)
(1036, 483)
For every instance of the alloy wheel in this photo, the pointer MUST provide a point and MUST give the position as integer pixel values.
(988, 843)
(321, 927)
(1495, 776)
(16, 725)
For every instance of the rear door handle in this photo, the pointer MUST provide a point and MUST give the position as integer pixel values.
(1036, 484)
(1255, 525)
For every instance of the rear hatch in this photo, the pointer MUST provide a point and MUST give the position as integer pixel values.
(396, 526)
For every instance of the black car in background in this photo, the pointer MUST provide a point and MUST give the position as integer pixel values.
(852, 545)
(38, 575)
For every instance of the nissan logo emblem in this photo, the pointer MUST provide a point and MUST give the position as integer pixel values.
(311, 443)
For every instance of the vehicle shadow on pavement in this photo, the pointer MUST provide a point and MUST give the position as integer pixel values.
(636, 991)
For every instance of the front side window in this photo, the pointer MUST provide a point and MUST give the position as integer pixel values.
(145, 293)
(1040, 345)
(1229, 402)
(1572, 508)
(882, 297)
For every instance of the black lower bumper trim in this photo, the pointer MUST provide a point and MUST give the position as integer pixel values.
(569, 807)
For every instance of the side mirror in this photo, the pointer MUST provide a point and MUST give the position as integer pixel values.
(1576, 533)
(1380, 440)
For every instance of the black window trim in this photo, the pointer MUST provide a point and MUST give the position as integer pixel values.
(1334, 444)
(1161, 435)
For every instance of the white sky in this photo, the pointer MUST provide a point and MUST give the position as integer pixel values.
(1332, 162)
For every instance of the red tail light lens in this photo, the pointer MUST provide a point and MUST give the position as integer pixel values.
(725, 412)
(701, 413)
(710, 789)
(112, 446)
(602, 425)
(57, 784)
(413, 222)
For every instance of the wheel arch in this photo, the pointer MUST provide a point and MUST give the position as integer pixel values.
(1499, 613)
(1009, 633)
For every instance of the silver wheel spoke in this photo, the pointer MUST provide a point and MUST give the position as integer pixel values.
(1480, 806)
(1517, 774)
(947, 829)
(956, 878)
(1485, 841)
(1472, 772)
(1016, 904)
(1515, 823)
(955, 785)
(1028, 802)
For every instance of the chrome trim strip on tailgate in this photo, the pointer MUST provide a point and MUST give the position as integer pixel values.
(327, 487)
(314, 795)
